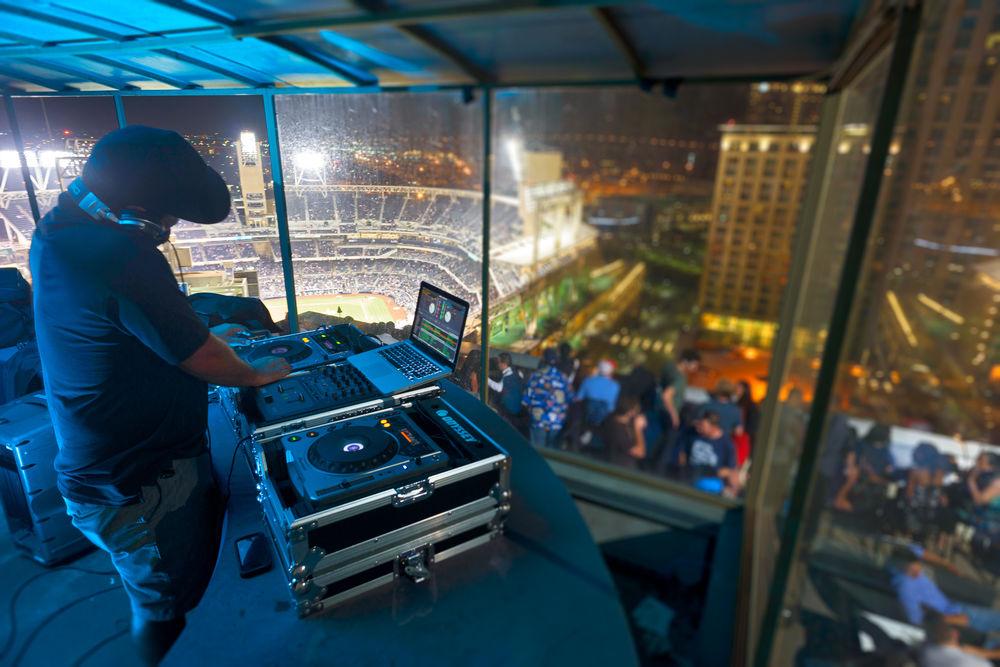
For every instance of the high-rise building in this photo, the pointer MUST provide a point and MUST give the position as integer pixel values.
(785, 103)
(759, 184)
(256, 210)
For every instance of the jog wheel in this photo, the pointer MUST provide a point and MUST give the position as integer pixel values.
(353, 449)
(290, 350)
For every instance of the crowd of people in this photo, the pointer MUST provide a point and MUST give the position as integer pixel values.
(635, 419)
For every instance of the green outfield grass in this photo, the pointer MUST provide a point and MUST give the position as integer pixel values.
(362, 308)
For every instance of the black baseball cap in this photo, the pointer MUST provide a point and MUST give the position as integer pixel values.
(158, 171)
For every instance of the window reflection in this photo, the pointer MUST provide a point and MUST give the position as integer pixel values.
(900, 554)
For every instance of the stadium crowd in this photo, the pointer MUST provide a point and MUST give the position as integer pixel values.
(637, 419)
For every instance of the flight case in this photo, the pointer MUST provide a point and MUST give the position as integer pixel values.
(334, 551)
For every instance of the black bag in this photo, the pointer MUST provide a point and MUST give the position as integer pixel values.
(16, 317)
(216, 309)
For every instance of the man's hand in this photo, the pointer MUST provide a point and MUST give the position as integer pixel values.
(271, 369)
(230, 332)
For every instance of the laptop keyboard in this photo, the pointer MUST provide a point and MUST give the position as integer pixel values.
(409, 362)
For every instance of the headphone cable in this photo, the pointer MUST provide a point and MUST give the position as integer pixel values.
(177, 257)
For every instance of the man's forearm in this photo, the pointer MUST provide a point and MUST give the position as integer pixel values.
(216, 363)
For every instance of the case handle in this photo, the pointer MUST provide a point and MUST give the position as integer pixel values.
(407, 495)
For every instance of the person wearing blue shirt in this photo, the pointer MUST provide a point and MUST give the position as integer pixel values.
(126, 362)
(547, 398)
(600, 393)
(917, 594)
(709, 454)
(721, 403)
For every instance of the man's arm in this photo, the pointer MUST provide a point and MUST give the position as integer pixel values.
(668, 403)
(495, 385)
(216, 363)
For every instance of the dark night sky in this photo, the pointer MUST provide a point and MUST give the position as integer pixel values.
(46, 118)
(227, 115)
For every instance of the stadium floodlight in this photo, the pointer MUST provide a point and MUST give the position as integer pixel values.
(48, 159)
(9, 160)
(248, 143)
(309, 160)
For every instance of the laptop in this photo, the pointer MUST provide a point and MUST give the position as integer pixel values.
(431, 351)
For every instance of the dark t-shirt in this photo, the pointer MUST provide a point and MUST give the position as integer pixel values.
(706, 455)
(618, 439)
(671, 376)
(112, 327)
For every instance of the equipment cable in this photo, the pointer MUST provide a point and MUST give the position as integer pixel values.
(232, 466)
(33, 635)
(12, 606)
(97, 647)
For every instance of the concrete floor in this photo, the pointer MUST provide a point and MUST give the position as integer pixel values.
(50, 617)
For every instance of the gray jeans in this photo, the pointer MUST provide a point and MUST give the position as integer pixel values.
(165, 546)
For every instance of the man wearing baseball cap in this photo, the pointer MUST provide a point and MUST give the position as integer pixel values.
(126, 361)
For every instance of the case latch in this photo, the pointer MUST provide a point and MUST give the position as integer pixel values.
(414, 565)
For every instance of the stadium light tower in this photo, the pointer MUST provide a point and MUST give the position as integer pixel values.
(310, 167)
(257, 211)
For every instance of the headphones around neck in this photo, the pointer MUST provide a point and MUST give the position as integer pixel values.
(90, 204)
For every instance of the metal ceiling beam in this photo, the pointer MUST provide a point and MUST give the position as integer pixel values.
(20, 10)
(304, 49)
(84, 75)
(142, 71)
(28, 78)
(218, 69)
(616, 31)
(293, 45)
(426, 36)
(417, 15)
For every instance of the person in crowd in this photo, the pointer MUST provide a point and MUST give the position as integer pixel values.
(925, 477)
(874, 457)
(867, 471)
(621, 433)
(569, 365)
(508, 389)
(917, 594)
(673, 389)
(749, 410)
(599, 393)
(721, 403)
(547, 398)
(943, 648)
(468, 374)
(127, 363)
(984, 484)
(709, 454)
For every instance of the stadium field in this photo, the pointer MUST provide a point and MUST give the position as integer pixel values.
(359, 307)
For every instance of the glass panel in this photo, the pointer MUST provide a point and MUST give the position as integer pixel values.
(58, 133)
(630, 228)
(239, 256)
(383, 192)
(900, 542)
(819, 256)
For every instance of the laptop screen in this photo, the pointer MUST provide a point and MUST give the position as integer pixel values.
(439, 323)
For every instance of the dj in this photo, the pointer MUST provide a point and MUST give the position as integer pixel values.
(126, 361)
